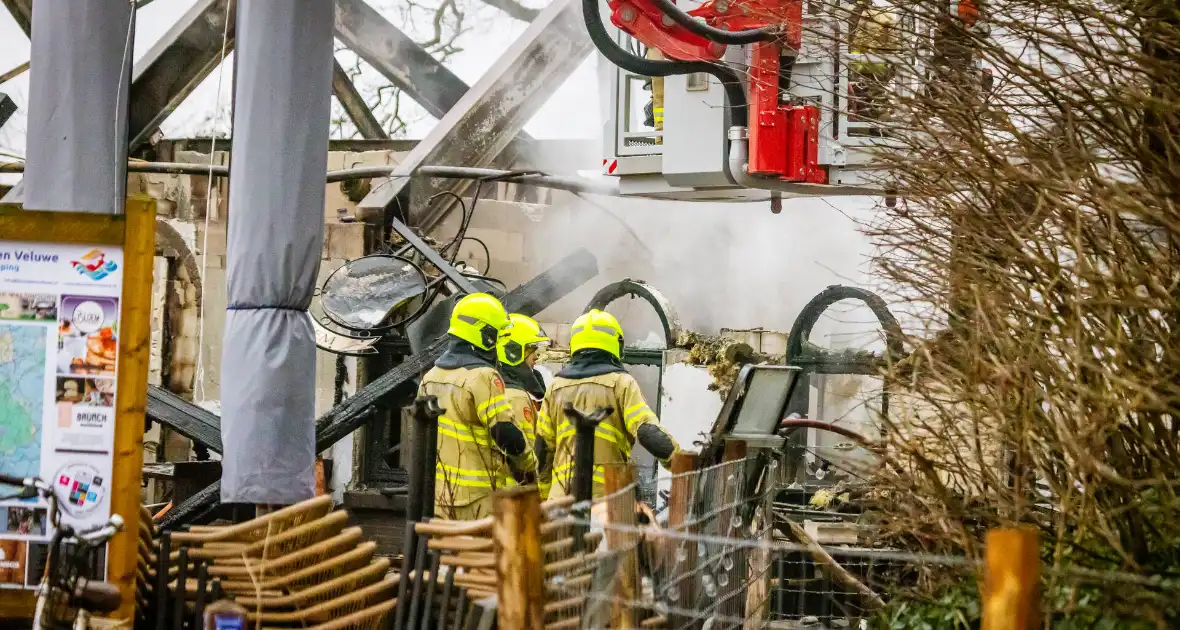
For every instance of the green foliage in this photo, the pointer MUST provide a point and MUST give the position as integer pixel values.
(1067, 607)
(954, 608)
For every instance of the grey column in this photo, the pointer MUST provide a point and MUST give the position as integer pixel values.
(283, 89)
(76, 156)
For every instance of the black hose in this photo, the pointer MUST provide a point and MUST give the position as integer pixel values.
(721, 36)
(735, 93)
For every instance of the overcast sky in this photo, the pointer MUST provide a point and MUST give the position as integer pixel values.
(571, 113)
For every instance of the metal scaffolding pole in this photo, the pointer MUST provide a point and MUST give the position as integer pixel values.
(77, 129)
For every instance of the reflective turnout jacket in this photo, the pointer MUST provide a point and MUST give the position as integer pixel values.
(614, 436)
(470, 464)
(524, 411)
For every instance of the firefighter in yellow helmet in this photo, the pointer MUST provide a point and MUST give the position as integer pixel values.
(479, 444)
(524, 388)
(593, 378)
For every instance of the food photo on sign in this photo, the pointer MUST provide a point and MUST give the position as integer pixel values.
(88, 332)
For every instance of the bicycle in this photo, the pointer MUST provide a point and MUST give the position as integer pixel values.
(65, 597)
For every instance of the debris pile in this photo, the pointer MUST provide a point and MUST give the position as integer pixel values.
(724, 356)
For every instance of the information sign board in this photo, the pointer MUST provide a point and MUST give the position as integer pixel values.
(59, 336)
(75, 300)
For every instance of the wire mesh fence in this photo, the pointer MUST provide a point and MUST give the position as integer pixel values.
(590, 548)
(730, 554)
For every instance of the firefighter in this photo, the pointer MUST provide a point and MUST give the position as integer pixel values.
(518, 352)
(480, 447)
(595, 377)
(654, 111)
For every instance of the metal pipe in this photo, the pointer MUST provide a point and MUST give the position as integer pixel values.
(790, 424)
(461, 609)
(431, 438)
(555, 182)
(428, 601)
(416, 594)
(445, 605)
(163, 552)
(584, 427)
(408, 548)
(426, 413)
(738, 171)
(178, 608)
(202, 584)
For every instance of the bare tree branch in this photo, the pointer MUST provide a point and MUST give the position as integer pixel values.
(514, 9)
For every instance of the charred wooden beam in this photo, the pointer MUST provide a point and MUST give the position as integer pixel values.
(397, 57)
(354, 105)
(7, 108)
(22, 12)
(177, 64)
(192, 421)
(189, 510)
(485, 121)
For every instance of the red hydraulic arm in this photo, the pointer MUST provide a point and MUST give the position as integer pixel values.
(783, 138)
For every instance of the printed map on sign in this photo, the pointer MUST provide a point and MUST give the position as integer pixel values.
(22, 393)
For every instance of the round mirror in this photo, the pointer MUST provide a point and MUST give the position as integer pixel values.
(363, 293)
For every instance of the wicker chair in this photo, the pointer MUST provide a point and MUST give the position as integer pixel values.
(344, 595)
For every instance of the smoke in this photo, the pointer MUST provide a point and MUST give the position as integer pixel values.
(721, 265)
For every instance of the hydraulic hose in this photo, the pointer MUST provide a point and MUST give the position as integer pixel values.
(735, 93)
(713, 34)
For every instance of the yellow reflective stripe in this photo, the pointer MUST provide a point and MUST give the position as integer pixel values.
(471, 481)
(474, 431)
(472, 478)
(501, 407)
(566, 472)
(469, 472)
(493, 407)
(635, 414)
(545, 428)
(489, 402)
(461, 481)
(605, 434)
(614, 436)
(462, 432)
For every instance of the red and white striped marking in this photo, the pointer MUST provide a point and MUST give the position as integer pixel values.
(609, 166)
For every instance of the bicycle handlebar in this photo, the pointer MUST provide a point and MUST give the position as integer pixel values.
(20, 482)
(102, 534)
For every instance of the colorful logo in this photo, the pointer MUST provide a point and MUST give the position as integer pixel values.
(94, 265)
(82, 487)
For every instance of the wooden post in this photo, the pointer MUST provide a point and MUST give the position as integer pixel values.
(622, 512)
(135, 340)
(516, 531)
(679, 496)
(680, 493)
(1012, 577)
(734, 450)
